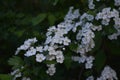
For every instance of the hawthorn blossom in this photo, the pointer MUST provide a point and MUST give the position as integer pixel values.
(30, 52)
(40, 57)
(90, 78)
(26, 78)
(108, 73)
(26, 45)
(51, 69)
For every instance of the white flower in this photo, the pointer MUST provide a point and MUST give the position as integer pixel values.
(16, 73)
(90, 78)
(85, 40)
(75, 58)
(105, 22)
(91, 5)
(30, 52)
(72, 15)
(45, 47)
(80, 50)
(48, 40)
(40, 57)
(51, 50)
(98, 28)
(90, 59)
(108, 73)
(25, 78)
(113, 36)
(88, 65)
(39, 49)
(29, 41)
(117, 2)
(50, 57)
(98, 0)
(66, 41)
(79, 35)
(59, 57)
(91, 44)
(90, 17)
(51, 70)
(82, 59)
(26, 45)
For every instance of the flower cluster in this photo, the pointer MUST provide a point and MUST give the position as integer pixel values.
(106, 15)
(57, 40)
(26, 46)
(51, 70)
(108, 73)
(90, 78)
(54, 43)
(16, 73)
(25, 78)
(117, 27)
(82, 59)
(86, 36)
(117, 2)
(91, 5)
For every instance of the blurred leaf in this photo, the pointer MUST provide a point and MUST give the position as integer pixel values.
(68, 59)
(20, 15)
(100, 59)
(10, 14)
(73, 46)
(55, 2)
(25, 21)
(51, 19)
(38, 19)
(109, 30)
(36, 33)
(15, 61)
(68, 62)
(113, 48)
(19, 33)
(49, 62)
(37, 70)
(5, 77)
(87, 73)
(98, 42)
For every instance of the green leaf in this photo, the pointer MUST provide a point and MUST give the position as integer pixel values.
(73, 46)
(15, 61)
(38, 19)
(55, 2)
(100, 59)
(113, 48)
(19, 33)
(20, 15)
(98, 42)
(50, 62)
(68, 61)
(51, 19)
(25, 21)
(5, 77)
(87, 73)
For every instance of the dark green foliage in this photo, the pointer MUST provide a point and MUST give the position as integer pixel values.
(23, 19)
(16, 62)
(5, 77)
(100, 60)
